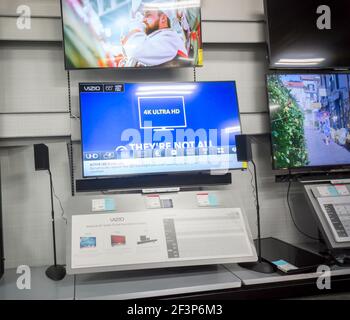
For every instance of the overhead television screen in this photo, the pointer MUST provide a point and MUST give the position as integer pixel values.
(308, 34)
(132, 33)
(310, 120)
(144, 128)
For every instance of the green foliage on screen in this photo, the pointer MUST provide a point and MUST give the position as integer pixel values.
(287, 126)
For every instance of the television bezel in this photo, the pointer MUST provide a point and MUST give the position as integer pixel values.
(158, 67)
(303, 169)
(191, 172)
(291, 68)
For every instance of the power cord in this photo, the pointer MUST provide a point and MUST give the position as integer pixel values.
(291, 214)
(252, 183)
(60, 203)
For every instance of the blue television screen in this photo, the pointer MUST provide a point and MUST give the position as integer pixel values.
(149, 128)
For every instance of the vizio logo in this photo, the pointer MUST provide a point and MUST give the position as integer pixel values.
(92, 88)
(118, 219)
(324, 21)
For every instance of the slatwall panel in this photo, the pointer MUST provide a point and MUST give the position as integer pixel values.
(220, 10)
(33, 80)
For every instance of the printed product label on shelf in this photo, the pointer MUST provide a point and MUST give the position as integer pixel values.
(328, 191)
(101, 205)
(342, 190)
(153, 202)
(207, 200)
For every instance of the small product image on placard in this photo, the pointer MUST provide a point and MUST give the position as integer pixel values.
(87, 242)
(118, 240)
(145, 239)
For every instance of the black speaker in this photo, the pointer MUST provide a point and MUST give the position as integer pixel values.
(41, 157)
(244, 148)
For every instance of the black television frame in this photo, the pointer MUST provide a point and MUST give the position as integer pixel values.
(305, 169)
(141, 181)
(291, 68)
(128, 68)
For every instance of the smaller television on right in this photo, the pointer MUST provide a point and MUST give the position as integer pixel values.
(310, 120)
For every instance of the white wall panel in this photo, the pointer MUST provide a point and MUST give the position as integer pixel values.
(255, 123)
(42, 29)
(233, 32)
(233, 10)
(32, 78)
(47, 8)
(34, 125)
(27, 208)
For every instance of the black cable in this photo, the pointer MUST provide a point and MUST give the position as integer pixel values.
(291, 214)
(60, 203)
(252, 183)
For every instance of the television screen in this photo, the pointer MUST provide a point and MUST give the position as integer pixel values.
(310, 120)
(133, 129)
(308, 34)
(132, 33)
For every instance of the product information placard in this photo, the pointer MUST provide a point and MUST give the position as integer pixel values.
(160, 236)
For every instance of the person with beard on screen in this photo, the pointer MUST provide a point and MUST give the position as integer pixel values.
(152, 42)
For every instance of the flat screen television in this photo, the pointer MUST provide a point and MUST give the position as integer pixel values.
(310, 120)
(156, 128)
(131, 33)
(308, 34)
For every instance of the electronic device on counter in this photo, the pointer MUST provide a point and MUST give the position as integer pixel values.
(290, 259)
(311, 34)
(310, 127)
(337, 213)
(330, 205)
(134, 129)
(334, 202)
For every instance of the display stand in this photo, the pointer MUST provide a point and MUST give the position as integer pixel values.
(106, 234)
(162, 238)
(154, 283)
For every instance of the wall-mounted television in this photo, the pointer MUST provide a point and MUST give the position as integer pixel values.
(155, 128)
(308, 34)
(132, 33)
(310, 120)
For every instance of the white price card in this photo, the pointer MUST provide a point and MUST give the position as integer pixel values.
(153, 202)
(101, 205)
(342, 190)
